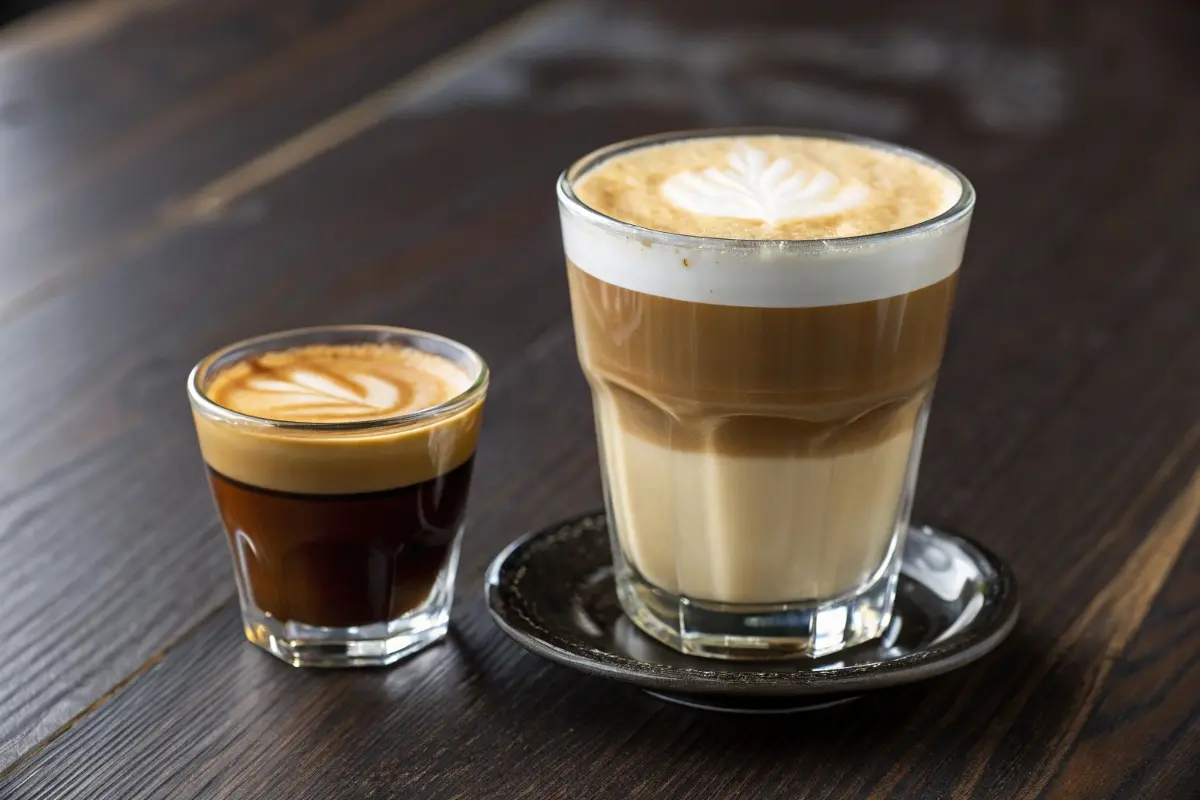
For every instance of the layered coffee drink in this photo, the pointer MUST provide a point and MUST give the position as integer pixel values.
(761, 319)
(340, 460)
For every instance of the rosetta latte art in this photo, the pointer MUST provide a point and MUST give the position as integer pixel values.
(756, 188)
(338, 384)
(352, 395)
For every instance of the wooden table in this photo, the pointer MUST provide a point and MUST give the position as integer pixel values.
(177, 175)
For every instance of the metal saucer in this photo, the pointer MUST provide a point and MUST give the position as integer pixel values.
(552, 591)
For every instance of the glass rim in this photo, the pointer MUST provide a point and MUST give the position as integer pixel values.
(960, 209)
(201, 403)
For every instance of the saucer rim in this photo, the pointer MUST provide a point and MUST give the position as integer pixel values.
(940, 658)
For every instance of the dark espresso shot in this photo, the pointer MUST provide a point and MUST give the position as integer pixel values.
(340, 461)
(345, 559)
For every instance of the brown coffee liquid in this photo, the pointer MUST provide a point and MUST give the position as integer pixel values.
(771, 381)
(757, 455)
(342, 559)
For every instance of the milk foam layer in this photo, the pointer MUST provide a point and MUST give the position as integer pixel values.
(344, 383)
(337, 384)
(790, 205)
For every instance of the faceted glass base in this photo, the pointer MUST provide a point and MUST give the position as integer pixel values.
(361, 646)
(753, 632)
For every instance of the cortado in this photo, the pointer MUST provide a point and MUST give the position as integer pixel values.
(761, 319)
(340, 460)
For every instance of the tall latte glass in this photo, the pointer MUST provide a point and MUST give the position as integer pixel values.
(761, 317)
(340, 460)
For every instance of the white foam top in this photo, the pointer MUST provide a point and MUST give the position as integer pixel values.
(754, 187)
(764, 272)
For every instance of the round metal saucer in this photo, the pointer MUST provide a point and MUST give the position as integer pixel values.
(553, 592)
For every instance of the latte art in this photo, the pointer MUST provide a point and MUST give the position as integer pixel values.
(338, 384)
(765, 187)
(757, 188)
(312, 393)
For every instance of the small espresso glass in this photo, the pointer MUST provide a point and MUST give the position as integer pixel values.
(344, 535)
(760, 406)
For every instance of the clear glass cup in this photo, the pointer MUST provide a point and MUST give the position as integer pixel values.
(759, 418)
(344, 535)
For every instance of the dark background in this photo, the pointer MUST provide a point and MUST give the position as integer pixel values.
(12, 9)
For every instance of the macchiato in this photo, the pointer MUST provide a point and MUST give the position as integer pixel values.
(761, 319)
(340, 460)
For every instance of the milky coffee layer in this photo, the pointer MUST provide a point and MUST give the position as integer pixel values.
(759, 381)
(761, 190)
(757, 454)
(748, 528)
(336, 384)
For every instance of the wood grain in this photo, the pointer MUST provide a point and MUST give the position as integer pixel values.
(1104, 628)
(93, 464)
(224, 59)
(1147, 707)
(352, 181)
(478, 718)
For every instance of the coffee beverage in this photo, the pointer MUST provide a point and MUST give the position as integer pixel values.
(341, 470)
(344, 559)
(761, 327)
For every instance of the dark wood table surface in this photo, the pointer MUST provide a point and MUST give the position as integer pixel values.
(177, 175)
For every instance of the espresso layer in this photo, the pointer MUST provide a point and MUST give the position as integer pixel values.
(760, 381)
(767, 187)
(341, 560)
